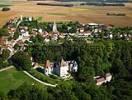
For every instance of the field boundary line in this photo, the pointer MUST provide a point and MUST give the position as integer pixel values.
(4, 69)
(44, 83)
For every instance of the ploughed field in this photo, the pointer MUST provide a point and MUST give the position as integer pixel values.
(85, 14)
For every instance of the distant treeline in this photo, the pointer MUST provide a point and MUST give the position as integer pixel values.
(103, 4)
(97, 0)
(56, 4)
(82, 4)
(116, 14)
(118, 1)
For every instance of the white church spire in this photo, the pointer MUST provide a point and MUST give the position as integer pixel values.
(21, 17)
(54, 28)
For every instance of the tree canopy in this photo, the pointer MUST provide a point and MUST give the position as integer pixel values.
(21, 61)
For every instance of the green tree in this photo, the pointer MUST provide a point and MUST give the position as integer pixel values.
(3, 32)
(16, 35)
(5, 54)
(21, 61)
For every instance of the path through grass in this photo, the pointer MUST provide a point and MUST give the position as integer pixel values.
(11, 79)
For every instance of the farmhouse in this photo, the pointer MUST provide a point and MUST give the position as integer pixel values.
(103, 79)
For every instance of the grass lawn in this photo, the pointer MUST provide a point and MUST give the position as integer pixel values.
(11, 79)
(44, 78)
(52, 79)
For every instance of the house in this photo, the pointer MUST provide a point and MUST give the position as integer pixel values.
(24, 31)
(100, 81)
(111, 36)
(46, 40)
(48, 68)
(11, 30)
(81, 30)
(55, 36)
(21, 45)
(93, 25)
(108, 77)
(62, 68)
(61, 36)
(30, 19)
(36, 65)
(85, 34)
(103, 79)
(40, 30)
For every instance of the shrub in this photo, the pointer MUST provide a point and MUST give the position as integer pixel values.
(5, 9)
(21, 60)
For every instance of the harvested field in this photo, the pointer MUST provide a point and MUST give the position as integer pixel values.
(83, 14)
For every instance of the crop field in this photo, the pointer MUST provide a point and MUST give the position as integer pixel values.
(11, 79)
(5, 2)
(83, 14)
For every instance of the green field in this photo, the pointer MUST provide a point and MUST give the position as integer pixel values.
(5, 3)
(11, 79)
(1, 6)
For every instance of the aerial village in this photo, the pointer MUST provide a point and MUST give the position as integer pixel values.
(63, 69)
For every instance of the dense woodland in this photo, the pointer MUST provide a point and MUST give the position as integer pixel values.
(93, 59)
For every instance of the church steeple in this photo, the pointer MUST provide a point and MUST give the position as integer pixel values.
(55, 28)
(21, 17)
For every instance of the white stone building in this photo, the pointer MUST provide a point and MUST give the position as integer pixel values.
(62, 68)
(103, 79)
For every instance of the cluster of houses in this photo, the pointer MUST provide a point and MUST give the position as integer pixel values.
(89, 30)
(93, 30)
(62, 68)
(8, 42)
(103, 79)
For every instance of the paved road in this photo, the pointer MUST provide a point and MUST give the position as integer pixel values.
(44, 83)
(1, 70)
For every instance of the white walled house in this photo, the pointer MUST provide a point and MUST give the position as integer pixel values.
(40, 30)
(24, 33)
(46, 40)
(103, 79)
(108, 77)
(111, 36)
(62, 68)
(48, 68)
(100, 81)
